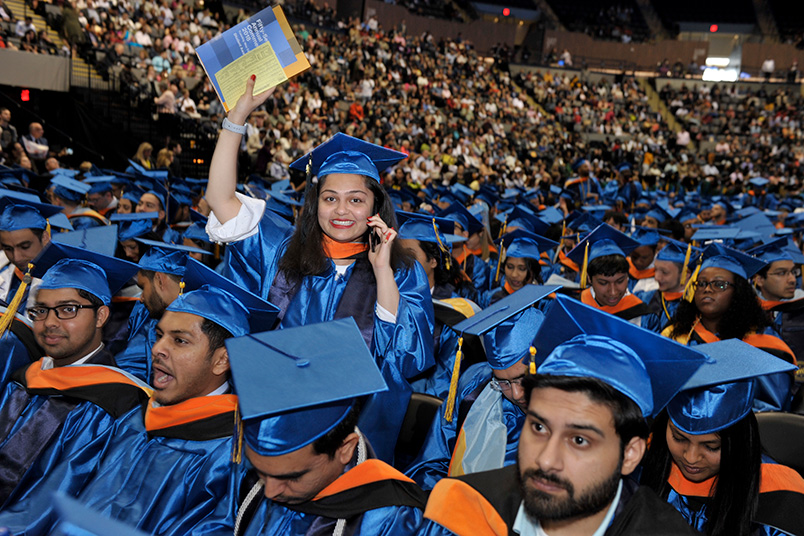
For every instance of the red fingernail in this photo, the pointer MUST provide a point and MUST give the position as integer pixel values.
(253, 76)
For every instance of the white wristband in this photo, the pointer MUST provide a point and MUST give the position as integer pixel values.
(231, 127)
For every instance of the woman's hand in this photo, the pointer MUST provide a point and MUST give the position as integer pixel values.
(248, 102)
(380, 255)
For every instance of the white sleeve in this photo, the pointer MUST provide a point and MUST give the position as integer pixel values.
(384, 314)
(240, 227)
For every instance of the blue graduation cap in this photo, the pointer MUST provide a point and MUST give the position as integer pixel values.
(581, 341)
(715, 232)
(100, 184)
(215, 305)
(719, 256)
(522, 244)
(134, 225)
(458, 213)
(462, 192)
(603, 240)
(60, 221)
(757, 223)
(345, 154)
(721, 392)
(161, 174)
(65, 266)
(524, 219)
(658, 213)
(646, 237)
(428, 229)
(64, 172)
(197, 231)
(18, 213)
(165, 258)
(551, 215)
(133, 194)
(102, 239)
(262, 314)
(330, 360)
(758, 181)
(678, 252)
(69, 189)
(777, 250)
(76, 519)
(173, 247)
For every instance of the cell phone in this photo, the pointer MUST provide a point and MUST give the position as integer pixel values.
(373, 239)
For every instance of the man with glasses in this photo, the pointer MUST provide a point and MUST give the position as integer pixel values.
(63, 407)
(481, 430)
(777, 287)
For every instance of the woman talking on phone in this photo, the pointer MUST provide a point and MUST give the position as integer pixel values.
(340, 260)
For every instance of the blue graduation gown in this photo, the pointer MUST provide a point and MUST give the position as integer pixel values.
(13, 356)
(135, 358)
(433, 462)
(403, 349)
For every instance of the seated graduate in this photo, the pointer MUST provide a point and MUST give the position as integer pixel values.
(602, 257)
(706, 459)
(167, 469)
(521, 262)
(725, 306)
(314, 471)
(69, 194)
(777, 287)
(674, 263)
(424, 239)
(641, 269)
(476, 254)
(584, 434)
(478, 428)
(64, 406)
(325, 269)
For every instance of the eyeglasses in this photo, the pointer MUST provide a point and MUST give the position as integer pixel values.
(717, 285)
(505, 385)
(784, 273)
(63, 312)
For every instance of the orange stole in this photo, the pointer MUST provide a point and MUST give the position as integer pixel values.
(639, 274)
(341, 250)
(457, 506)
(628, 301)
(194, 409)
(65, 378)
(364, 473)
(773, 477)
(757, 340)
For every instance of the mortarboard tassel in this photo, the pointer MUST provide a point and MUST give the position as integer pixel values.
(182, 284)
(443, 247)
(8, 316)
(684, 269)
(585, 265)
(689, 288)
(504, 227)
(47, 227)
(532, 364)
(500, 260)
(237, 446)
(560, 242)
(449, 408)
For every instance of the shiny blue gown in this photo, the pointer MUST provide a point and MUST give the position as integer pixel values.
(433, 462)
(135, 358)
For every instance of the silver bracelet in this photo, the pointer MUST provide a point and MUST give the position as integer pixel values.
(231, 127)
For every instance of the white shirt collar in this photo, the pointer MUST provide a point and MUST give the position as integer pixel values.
(49, 363)
(525, 526)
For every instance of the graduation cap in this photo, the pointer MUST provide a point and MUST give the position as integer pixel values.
(721, 392)
(24, 211)
(757, 223)
(522, 244)
(65, 266)
(551, 215)
(524, 219)
(69, 189)
(345, 154)
(76, 519)
(646, 237)
(161, 174)
(580, 341)
(715, 232)
(719, 256)
(679, 253)
(197, 231)
(262, 314)
(216, 305)
(462, 192)
(777, 250)
(332, 362)
(100, 184)
(759, 181)
(603, 240)
(133, 194)
(165, 258)
(512, 337)
(658, 213)
(458, 213)
(133, 225)
(60, 221)
(102, 239)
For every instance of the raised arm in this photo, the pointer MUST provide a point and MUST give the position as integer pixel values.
(223, 168)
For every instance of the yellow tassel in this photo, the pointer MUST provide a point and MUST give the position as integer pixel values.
(47, 227)
(689, 288)
(8, 316)
(503, 228)
(686, 262)
(182, 284)
(585, 265)
(500, 260)
(449, 407)
(237, 446)
(532, 364)
(443, 247)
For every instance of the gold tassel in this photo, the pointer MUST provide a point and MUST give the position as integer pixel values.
(47, 228)
(8, 316)
(503, 228)
(500, 260)
(532, 364)
(449, 408)
(237, 446)
(443, 247)
(684, 269)
(585, 265)
(689, 288)
(182, 284)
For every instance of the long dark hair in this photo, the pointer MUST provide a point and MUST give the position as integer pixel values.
(533, 267)
(731, 508)
(305, 254)
(443, 275)
(743, 316)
